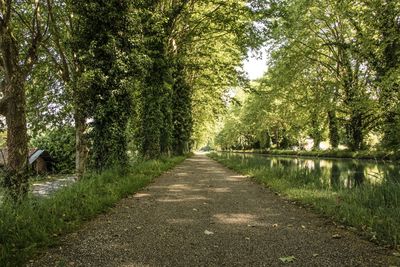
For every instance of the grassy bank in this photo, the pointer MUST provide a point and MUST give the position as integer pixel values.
(371, 155)
(374, 210)
(38, 222)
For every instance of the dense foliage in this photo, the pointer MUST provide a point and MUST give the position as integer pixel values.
(61, 143)
(333, 75)
(102, 41)
(140, 78)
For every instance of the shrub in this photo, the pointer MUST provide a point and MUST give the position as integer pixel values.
(60, 143)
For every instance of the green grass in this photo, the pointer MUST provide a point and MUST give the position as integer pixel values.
(38, 222)
(373, 155)
(374, 210)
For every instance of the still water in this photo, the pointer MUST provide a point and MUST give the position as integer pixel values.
(334, 173)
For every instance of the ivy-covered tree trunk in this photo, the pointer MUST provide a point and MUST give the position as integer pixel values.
(101, 39)
(315, 130)
(166, 92)
(110, 132)
(265, 139)
(151, 120)
(352, 100)
(156, 117)
(355, 131)
(182, 107)
(333, 129)
(152, 116)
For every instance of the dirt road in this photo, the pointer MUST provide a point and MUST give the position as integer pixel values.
(202, 214)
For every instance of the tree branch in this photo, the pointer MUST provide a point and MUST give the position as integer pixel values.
(63, 66)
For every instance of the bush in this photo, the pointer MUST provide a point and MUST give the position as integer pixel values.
(60, 143)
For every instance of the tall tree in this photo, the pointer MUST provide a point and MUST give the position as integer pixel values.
(377, 27)
(61, 52)
(103, 43)
(22, 30)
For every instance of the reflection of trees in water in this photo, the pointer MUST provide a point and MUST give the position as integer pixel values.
(392, 173)
(285, 163)
(335, 175)
(319, 173)
(317, 167)
(274, 162)
(358, 175)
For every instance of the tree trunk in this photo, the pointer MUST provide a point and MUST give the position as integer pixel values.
(356, 131)
(80, 144)
(182, 113)
(16, 180)
(333, 129)
(14, 72)
(315, 131)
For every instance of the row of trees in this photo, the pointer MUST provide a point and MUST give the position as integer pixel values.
(334, 74)
(133, 76)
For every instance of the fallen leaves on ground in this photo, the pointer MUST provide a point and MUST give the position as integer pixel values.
(208, 232)
(287, 259)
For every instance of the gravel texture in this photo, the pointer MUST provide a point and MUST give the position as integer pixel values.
(202, 214)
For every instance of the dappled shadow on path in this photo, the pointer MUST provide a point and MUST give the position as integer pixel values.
(202, 214)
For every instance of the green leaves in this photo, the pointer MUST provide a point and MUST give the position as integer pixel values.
(102, 39)
(329, 76)
(60, 143)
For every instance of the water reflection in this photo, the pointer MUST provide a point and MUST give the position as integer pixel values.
(335, 176)
(333, 173)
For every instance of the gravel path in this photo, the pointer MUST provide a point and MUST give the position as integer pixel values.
(202, 214)
(45, 189)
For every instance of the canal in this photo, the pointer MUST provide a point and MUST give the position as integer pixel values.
(332, 173)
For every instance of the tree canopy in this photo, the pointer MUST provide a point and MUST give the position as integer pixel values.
(333, 75)
(143, 78)
(158, 78)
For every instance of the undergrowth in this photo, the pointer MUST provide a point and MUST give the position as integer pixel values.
(372, 209)
(38, 222)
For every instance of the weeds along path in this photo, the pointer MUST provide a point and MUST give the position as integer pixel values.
(202, 214)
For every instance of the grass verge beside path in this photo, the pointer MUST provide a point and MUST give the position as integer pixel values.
(375, 210)
(38, 222)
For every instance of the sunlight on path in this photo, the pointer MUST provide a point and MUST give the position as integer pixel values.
(202, 214)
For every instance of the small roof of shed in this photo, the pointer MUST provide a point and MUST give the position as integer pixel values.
(36, 153)
(33, 155)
